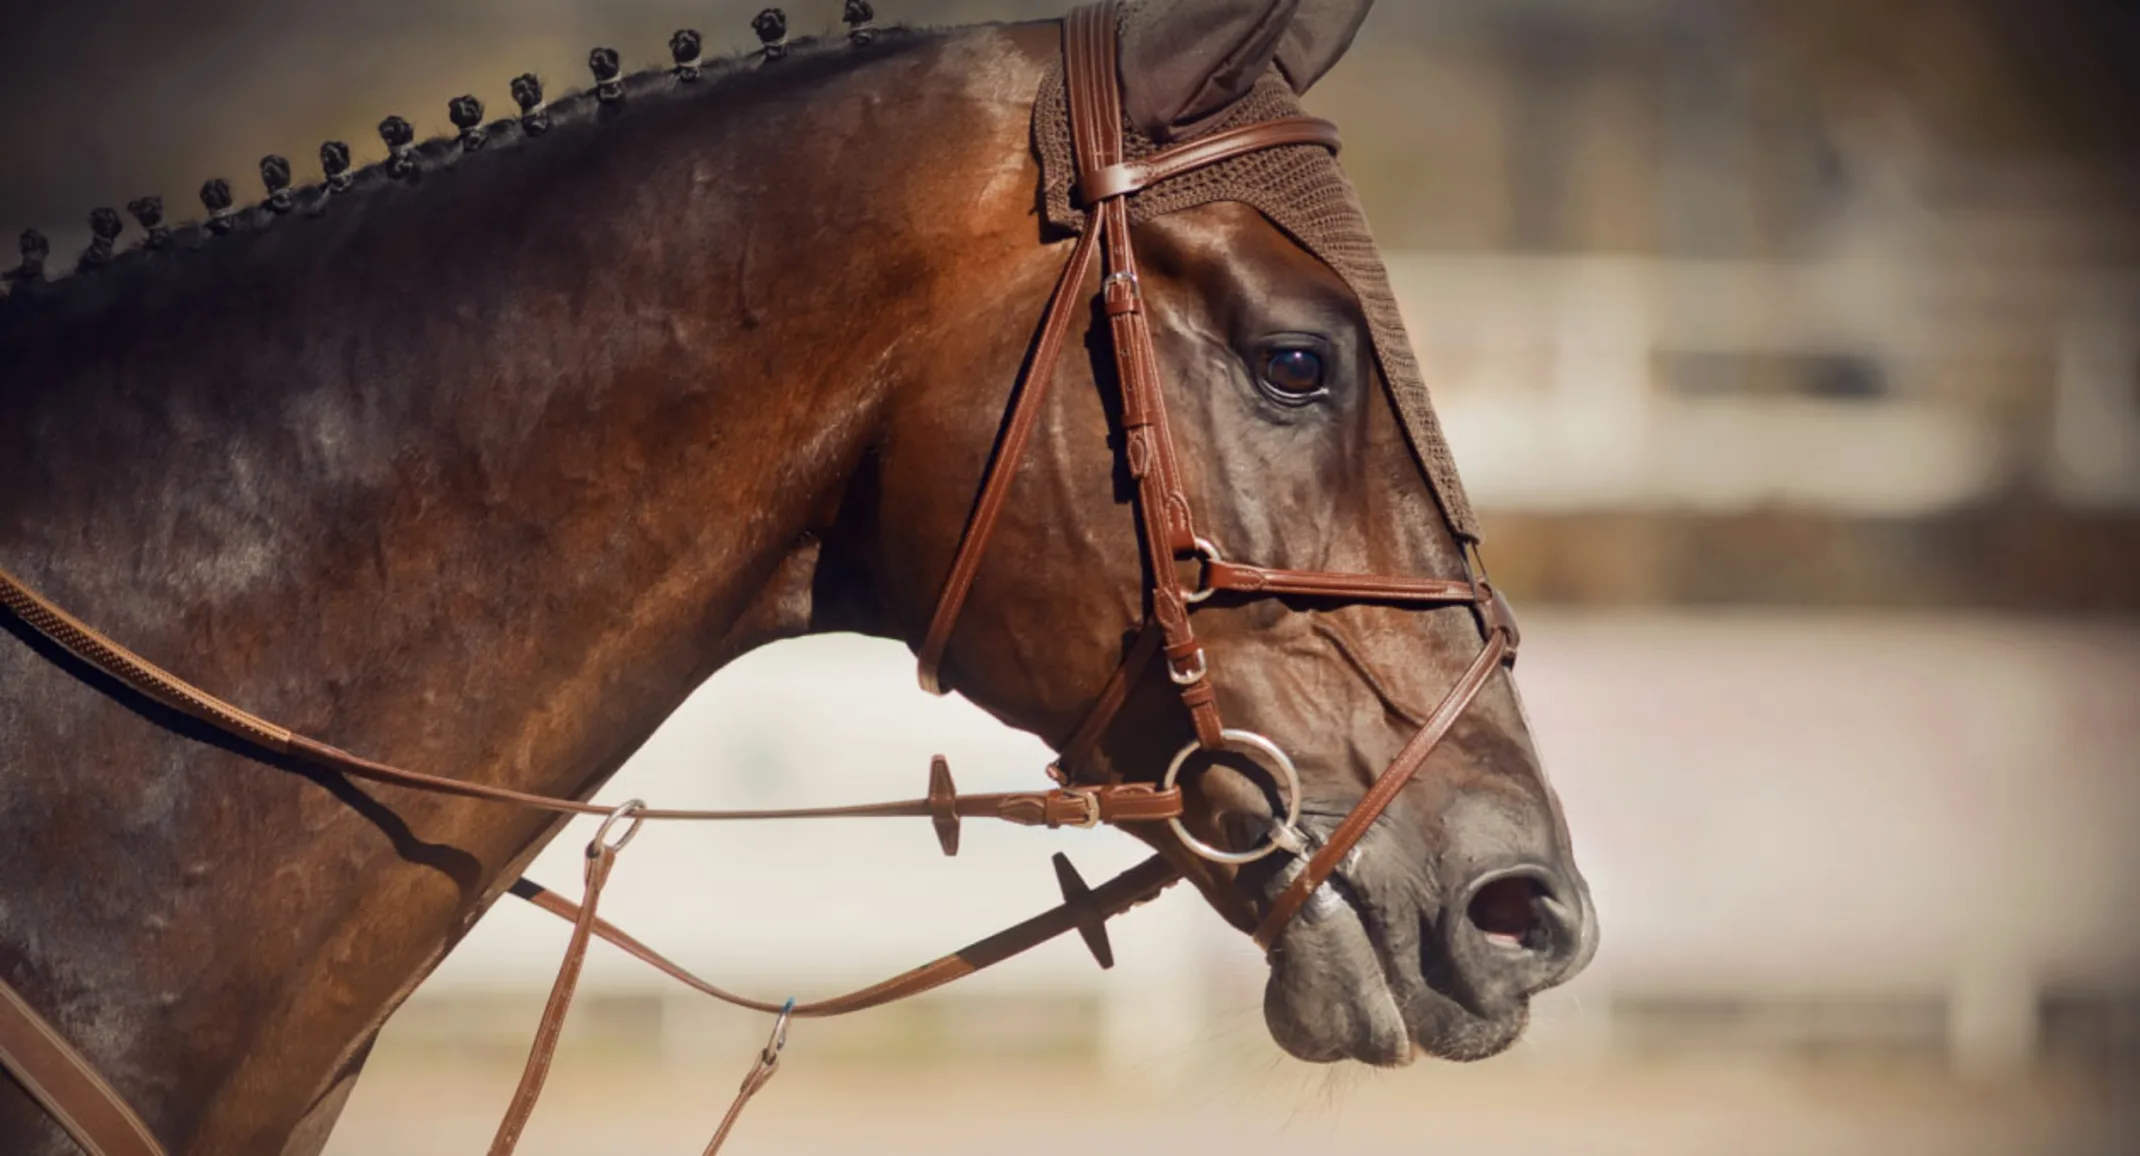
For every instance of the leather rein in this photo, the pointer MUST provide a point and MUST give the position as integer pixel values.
(99, 1120)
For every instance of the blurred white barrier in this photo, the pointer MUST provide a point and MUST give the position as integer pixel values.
(1765, 804)
(2095, 430)
(1881, 386)
(1852, 806)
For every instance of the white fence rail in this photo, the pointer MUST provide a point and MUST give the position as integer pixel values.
(1553, 376)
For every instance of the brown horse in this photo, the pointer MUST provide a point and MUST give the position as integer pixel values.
(482, 465)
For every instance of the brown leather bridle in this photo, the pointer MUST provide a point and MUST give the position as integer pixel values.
(98, 1119)
(1106, 182)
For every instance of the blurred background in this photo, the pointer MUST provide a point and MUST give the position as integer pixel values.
(1792, 351)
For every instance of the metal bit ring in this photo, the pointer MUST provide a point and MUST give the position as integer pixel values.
(1284, 836)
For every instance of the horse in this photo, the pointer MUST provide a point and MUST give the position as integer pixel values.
(481, 458)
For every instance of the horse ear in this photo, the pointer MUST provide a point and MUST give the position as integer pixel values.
(1318, 37)
(1186, 62)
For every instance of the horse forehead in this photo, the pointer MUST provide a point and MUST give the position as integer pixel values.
(1231, 248)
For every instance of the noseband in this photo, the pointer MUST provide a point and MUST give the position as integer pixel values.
(64, 1082)
(1106, 183)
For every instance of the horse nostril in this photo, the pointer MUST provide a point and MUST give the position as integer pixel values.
(1507, 912)
(1523, 928)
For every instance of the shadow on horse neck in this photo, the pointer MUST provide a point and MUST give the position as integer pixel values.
(482, 473)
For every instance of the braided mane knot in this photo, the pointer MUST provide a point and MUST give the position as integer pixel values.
(685, 49)
(275, 174)
(608, 71)
(149, 211)
(334, 161)
(398, 135)
(771, 26)
(527, 93)
(104, 228)
(215, 197)
(466, 113)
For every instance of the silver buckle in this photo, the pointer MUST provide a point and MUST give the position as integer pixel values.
(1091, 799)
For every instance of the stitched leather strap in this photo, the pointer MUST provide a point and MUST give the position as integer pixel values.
(1499, 648)
(62, 1081)
(1165, 521)
(1127, 178)
(85, 643)
(601, 859)
(1140, 884)
(1236, 578)
(1084, 909)
(1018, 428)
(761, 1073)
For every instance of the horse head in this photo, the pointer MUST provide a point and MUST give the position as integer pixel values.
(1295, 430)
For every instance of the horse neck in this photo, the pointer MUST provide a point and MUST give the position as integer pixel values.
(497, 437)
(484, 484)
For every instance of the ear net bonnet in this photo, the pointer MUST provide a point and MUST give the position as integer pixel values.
(1301, 190)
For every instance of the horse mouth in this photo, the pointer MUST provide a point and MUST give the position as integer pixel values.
(1348, 983)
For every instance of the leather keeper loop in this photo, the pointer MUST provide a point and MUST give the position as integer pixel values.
(1111, 182)
(1495, 614)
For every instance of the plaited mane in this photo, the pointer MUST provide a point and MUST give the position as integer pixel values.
(344, 185)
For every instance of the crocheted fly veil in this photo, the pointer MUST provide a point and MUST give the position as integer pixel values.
(1300, 189)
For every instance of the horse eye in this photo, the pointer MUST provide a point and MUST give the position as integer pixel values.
(1296, 373)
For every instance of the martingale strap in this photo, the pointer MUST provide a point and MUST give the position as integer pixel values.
(1084, 909)
(99, 1120)
(66, 1086)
